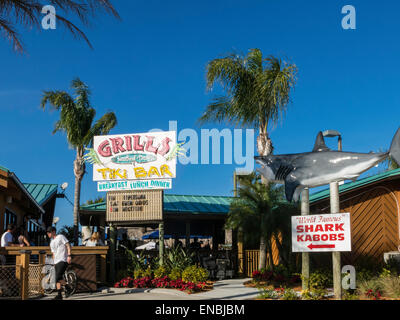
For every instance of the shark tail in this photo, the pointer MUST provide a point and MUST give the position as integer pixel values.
(394, 151)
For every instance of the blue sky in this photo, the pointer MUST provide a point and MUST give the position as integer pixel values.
(149, 68)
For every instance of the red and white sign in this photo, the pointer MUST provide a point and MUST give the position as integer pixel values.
(321, 233)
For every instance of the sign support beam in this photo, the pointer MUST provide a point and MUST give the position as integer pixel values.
(161, 243)
(335, 208)
(305, 256)
(112, 251)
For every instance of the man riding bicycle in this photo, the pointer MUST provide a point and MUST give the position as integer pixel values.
(61, 250)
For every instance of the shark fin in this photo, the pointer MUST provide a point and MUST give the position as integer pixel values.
(290, 188)
(394, 151)
(320, 143)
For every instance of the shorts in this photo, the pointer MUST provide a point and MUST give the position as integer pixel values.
(60, 269)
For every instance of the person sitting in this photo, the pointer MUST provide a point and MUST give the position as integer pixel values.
(7, 240)
(22, 239)
(94, 240)
(195, 244)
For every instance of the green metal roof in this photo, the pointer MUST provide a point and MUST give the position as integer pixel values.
(356, 184)
(4, 169)
(183, 203)
(41, 192)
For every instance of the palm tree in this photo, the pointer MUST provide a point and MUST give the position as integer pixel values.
(262, 213)
(76, 120)
(96, 200)
(257, 94)
(28, 13)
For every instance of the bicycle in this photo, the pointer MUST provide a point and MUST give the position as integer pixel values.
(70, 279)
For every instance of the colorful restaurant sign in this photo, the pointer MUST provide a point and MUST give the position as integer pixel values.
(134, 185)
(140, 156)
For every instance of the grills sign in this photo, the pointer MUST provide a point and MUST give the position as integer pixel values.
(134, 156)
(321, 233)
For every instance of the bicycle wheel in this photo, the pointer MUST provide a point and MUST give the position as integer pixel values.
(49, 291)
(71, 281)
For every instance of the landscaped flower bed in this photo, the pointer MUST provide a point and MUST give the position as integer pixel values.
(375, 283)
(163, 282)
(279, 277)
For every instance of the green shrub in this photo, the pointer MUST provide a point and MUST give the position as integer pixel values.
(179, 258)
(282, 271)
(148, 272)
(369, 263)
(175, 274)
(393, 266)
(135, 262)
(194, 274)
(268, 294)
(315, 294)
(373, 285)
(364, 275)
(350, 295)
(319, 280)
(138, 273)
(385, 273)
(142, 273)
(390, 286)
(160, 272)
(290, 294)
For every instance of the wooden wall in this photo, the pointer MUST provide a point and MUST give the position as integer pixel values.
(374, 218)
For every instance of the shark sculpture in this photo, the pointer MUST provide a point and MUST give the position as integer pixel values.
(321, 166)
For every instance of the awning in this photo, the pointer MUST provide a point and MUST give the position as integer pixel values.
(156, 235)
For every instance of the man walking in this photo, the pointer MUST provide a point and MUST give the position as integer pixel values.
(61, 250)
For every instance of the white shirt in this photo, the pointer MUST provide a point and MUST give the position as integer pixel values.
(91, 243)
(6, 238)
(59, 249)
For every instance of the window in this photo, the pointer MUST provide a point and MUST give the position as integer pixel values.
(9, 217)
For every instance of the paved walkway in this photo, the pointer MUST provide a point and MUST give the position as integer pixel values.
(231, 289)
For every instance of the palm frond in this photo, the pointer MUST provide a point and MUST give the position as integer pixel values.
(27, 13)
(101, 127)
(8, 32)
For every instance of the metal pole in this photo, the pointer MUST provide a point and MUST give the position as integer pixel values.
(161, 243)
(305, 256)
(335, 208)
(112, 253)
(240, 232)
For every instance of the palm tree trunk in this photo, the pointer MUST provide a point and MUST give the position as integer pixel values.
(79, 171)
(264, 144)
(263, 254)
(264, 148)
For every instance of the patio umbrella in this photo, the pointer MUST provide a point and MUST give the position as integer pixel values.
(147, 246)
(155, 235)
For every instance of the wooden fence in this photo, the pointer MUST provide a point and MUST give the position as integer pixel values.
(252, 258)
(24, 277)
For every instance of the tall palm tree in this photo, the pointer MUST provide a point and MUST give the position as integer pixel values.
(257, 94)
(28, 13)
(76, 120)
(262, 212)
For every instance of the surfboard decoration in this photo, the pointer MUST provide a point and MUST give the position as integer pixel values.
(133, 158)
